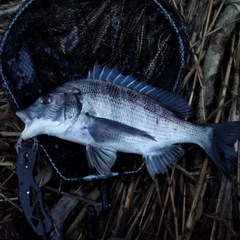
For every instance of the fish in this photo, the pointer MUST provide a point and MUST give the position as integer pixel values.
(109, 112)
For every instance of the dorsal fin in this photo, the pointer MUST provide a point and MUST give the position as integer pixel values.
(172, 101)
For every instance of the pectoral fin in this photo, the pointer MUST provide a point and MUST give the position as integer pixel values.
(101, 158)
(158, 161)
(102, 129)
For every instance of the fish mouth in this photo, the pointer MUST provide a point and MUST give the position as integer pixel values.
(24, 116)
(28, 122)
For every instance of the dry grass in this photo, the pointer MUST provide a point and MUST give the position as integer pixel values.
(192, 201)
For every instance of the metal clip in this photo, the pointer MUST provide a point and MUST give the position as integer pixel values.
(34, 146)
(31, 195)
(92, 210)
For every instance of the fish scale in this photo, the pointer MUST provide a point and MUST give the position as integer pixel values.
(109, 112)
(104, 104)
(137, 111)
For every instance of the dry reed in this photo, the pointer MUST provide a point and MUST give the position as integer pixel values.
(192, 201)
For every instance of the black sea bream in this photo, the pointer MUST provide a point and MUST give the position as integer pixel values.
(109, 112)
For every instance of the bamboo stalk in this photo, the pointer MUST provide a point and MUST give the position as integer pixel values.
(191, 216)
(10, 134)
(174, 212)
(85, 200)
(93, 195)
(10, 201)
(214, 56)
(6, 164)
(119, 190)
(225, 82)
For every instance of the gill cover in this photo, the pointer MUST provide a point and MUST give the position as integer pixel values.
(72, 106)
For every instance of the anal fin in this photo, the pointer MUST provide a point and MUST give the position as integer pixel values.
(157, 162)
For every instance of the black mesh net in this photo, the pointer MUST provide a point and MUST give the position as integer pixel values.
(50, 42)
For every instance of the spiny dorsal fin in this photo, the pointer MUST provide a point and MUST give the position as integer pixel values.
(172, 101)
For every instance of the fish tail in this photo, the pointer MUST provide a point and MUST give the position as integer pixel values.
(221, 148)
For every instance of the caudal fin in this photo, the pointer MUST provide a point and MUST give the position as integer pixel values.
(221, 149)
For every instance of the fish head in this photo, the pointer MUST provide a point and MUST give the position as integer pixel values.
(51, 114)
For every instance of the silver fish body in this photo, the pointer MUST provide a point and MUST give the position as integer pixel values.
(109, 112)
(157, 126)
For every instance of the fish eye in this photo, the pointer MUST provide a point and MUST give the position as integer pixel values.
(45, 100)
